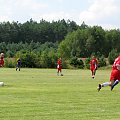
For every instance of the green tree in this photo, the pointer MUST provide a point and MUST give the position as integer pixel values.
(112, 55)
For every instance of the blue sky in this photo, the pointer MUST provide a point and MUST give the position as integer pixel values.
(104, 13)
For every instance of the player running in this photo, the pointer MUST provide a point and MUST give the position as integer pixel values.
(93, 66)
(115, 62)
(114, 77)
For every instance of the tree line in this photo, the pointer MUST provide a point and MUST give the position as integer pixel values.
(45, 41)
(37, 32)
(84, 42)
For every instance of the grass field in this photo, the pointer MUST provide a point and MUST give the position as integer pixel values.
(39, 94)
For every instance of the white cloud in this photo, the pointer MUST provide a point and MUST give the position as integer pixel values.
(30, 4)
(51, 16)
(60, 1)
(100, 9)
(101, 12)
(12, 9)
(109, 26)
(4, 18)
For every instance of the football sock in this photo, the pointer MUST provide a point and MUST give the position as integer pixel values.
(105, 84)
(115, 83)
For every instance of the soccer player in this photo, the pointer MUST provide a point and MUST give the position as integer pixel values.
(1, 59)
(1, 65)
(114, 77)
(115, 62)
(59, 67)
(18, 65)
(93, 66)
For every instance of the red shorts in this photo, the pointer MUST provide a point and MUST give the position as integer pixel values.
(1, 62)
(59, 67)
(115, 75)
(92, 68)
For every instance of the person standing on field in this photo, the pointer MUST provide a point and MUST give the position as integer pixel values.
(114, 77)
(18, 65)
(1, 59)
(2, 65)
(59, 66)
(93, 66)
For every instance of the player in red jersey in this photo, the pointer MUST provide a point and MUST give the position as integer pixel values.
(115, 62)
(59, 67)
(93, 66)
(1, 59)
(114, 77)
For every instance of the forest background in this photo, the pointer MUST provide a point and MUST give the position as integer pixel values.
(39, 45)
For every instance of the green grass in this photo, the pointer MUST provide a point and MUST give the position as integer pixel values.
(39, 94)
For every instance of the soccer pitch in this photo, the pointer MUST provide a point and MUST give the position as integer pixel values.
(39, 94)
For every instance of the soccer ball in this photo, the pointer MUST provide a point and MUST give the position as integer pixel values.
(61, 74)
(1, 83)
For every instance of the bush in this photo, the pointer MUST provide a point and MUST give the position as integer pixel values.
(28, 59)
(87, 63)
(10, 62)
(112, 55)
(77, 63)
(102, 61)
(73, 61)
(80, 64)
(43, 59)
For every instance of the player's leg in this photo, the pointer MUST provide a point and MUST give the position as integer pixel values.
(114, 84)
(16, 67)
(19, 68)
(61, 72)
(104, 85)
(58, 70)
(92, 73)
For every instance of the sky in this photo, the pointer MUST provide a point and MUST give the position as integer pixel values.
(104, 13)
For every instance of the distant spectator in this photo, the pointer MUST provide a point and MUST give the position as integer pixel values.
(18, 65)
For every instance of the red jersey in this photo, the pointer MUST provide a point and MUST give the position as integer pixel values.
(117, 60)
(93, 64)
(115, 75)
(1, 62)
(59, 64)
